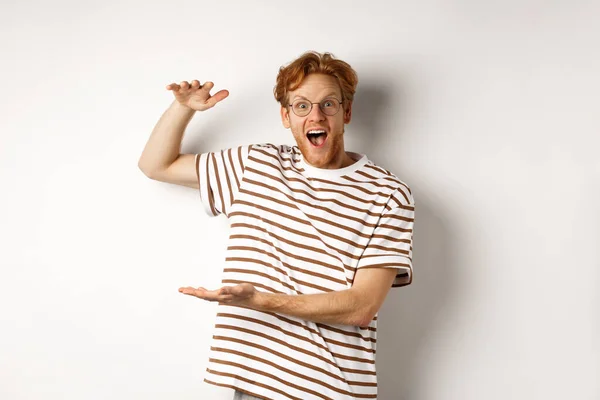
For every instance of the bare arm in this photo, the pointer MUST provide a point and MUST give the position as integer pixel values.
(355, 306)
(161, 159)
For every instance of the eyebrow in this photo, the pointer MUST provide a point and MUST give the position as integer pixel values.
(330, 94)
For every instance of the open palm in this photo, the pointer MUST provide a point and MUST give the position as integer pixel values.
(196, 96)
(227, 294)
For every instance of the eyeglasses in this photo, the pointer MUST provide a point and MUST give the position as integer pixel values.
(329, 106)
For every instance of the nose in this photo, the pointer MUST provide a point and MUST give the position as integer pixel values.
(316, 114)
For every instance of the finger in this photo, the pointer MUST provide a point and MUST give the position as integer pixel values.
(184, 85)
(208, 86)
(195, 84)
(201, 293)
(191, 288)
(211, 295)
(226, 299)
(173, 86)
(191, 291)
(217, 97)
(220, 95)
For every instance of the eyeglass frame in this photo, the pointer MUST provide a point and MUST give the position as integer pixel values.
(319, 103)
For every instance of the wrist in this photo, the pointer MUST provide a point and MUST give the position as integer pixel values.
(258, 300)
(182, 108)
(262, 301)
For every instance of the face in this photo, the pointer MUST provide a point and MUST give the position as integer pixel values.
(326, 151)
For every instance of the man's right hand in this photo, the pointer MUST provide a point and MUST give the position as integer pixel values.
(197, 97)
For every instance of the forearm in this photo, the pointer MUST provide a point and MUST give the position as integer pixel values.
(340, 307)
(356, 306)
(164, 145)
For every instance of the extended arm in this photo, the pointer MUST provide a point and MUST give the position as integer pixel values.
(355, 306)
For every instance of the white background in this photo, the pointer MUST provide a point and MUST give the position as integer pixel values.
(489, 110)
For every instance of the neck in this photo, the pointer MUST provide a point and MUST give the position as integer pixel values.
(347, 161)
(342, 161)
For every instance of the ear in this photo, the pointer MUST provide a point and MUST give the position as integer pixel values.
(285, 117)
(347, 112)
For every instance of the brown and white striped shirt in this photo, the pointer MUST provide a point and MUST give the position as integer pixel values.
(297, 229)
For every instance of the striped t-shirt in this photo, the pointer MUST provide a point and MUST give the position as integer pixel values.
(297, 229)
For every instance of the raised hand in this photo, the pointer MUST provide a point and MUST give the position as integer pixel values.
(196, 96)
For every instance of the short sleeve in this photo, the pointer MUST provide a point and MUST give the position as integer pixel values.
(219, 177)
(390, 245)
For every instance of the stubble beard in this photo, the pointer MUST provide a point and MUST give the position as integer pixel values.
(334, 153)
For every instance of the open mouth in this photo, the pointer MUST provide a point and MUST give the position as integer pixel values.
(317, 137)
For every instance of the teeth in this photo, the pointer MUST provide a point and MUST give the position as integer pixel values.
(316, 131)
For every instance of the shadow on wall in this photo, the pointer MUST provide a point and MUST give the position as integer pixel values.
(409, 313)
(408, 317)
(368, 112)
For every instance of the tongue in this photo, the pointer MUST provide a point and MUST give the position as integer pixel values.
(316, 140)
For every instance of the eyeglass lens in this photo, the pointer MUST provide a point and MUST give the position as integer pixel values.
(303, 107)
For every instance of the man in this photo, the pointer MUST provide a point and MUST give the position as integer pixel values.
(318, 237)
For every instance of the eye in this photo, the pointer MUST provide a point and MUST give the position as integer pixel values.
(327, 103)
(301, 105)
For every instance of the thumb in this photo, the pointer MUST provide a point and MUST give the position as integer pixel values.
(236, 290)
(217, 97)
(225, 290)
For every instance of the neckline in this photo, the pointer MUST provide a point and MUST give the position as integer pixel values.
(360, 161)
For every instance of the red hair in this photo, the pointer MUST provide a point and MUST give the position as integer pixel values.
(290, 77)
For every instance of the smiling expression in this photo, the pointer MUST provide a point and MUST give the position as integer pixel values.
(328, 151)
